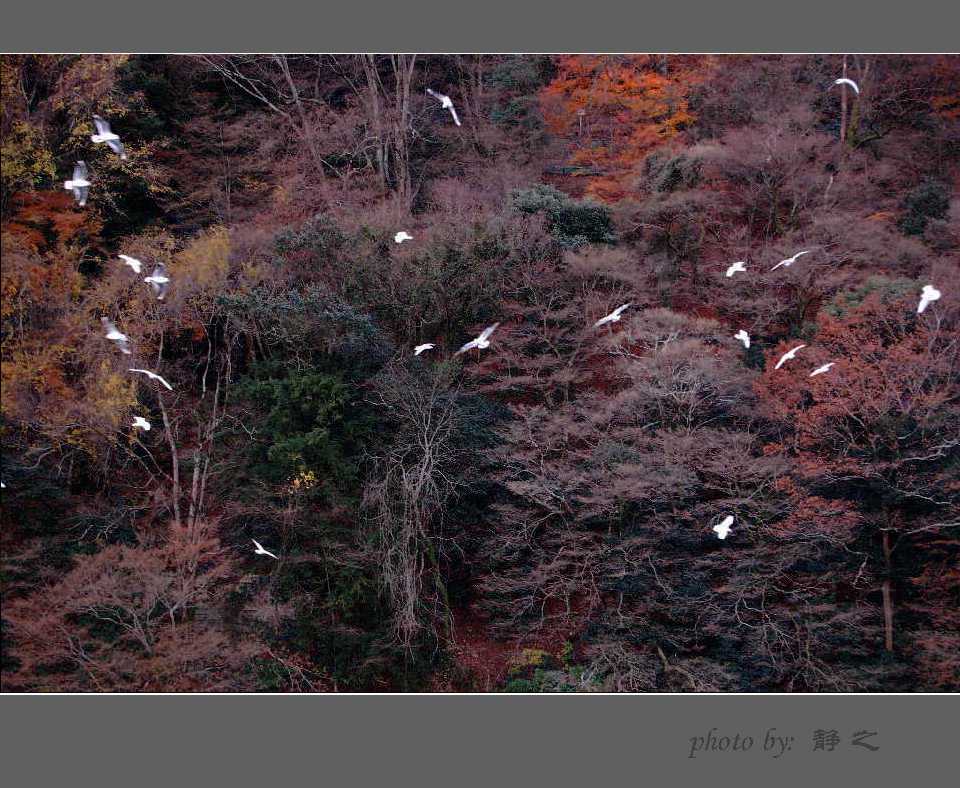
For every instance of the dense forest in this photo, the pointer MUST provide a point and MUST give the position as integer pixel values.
(656, 503)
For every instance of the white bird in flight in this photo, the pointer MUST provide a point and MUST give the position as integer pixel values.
(141, 423)
(133, 262)
(105, 135)
(261, 550)
(821, 370)
(788, 355)
(79, 184)
(152, 376)
(159, 281)
(850, 82)
(446, 103)
(790, 260)
(740, 265)
(115, 335)
(420, 348)
(723, 528)
(927, 297)
(481, 342)
(613, 317)
(744, 337)
(402, 236)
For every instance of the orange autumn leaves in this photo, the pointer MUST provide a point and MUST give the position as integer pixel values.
(615, 109)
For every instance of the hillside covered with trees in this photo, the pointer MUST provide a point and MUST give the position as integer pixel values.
(540, 514)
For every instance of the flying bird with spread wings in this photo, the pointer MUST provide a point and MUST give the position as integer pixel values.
(446, 103)
(744, 337)
(420, 348)
(115, 335)
(79, 184)
(790, 260)
(613, 317)
(159, 281)
(261, 550)
(152, 376)
(105, 135)
(140, 423)
(788, 355)
(481, 342)
(402, 236)
(850, 82)
(821, 370)
(133, 262)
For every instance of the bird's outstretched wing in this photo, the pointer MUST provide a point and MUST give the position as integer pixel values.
(102, 126)
(82, 192)
(437, 96)
(487, 332)
(80, 171)
(850, 82)
(782, 262)
(152, 376)
(469, 346)
(117, 147)
(133, 262)
(454, 113)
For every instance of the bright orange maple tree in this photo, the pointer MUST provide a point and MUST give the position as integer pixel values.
(615, 109)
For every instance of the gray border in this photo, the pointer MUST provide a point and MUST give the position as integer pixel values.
(488, 740)
(480, 25)
(513, 740)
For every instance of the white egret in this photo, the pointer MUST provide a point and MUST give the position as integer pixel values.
(790, 260)
(159, 281)
(79, 184)
(927, 297)
(446, 103)
(821, 370)
(740, 265)
(613, 317)
(152, 376)
(133, 262)
(723, 528)
(850, 82)
(105, 135)
(481, 342)
(788, 355)
(260, 550)
(115, 335)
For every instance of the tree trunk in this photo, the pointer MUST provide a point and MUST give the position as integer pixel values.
(174, 461)
(887, 594)
(306, 128)
(376, 115)
(843, 106)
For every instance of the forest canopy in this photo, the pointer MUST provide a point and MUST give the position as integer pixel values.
(321, 503)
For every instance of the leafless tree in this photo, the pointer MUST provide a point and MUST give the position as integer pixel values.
(409, 488)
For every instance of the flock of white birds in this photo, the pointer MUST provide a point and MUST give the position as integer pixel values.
(80, 185)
